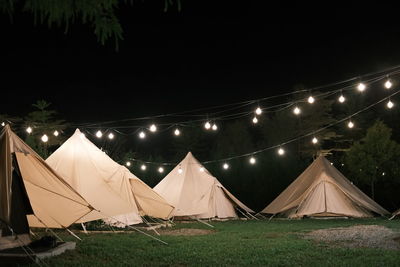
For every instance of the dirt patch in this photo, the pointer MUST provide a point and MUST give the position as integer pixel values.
(186, 232)
(370, 236)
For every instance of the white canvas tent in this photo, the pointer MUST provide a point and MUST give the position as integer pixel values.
(321, 190)
(194, 192)
(32, 192)
(106, 185)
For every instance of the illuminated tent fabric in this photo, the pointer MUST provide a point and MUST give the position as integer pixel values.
(106, 185)
(321, 190)
(30, 187)
(396, 213)
(193, 191)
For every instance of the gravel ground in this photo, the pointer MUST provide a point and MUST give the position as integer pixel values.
(370, 236)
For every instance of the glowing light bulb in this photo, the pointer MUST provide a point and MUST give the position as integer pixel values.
(258, 111)
(214, 127)
(361, 87)
(3, 124)
(225, 166)
(314, 140)
(99, 134)
(331, 163)
(56, 133)
(255, 120)
(128, 163)
(180, 170)
(281, 151)
(110, 136)
(161, 170)
(143, 167)
(296, 110)
(390, 104)
(153, 128)
(383, 173)
(202, 169)
(142, 135)
(177, 132)
(44, 138)
(388, 84)
(29, 130)
(252, 160)
(207, 125)
(311, 99)
(350, 124)
(342, 99)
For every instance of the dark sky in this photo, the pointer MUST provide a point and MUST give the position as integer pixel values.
(207, 54)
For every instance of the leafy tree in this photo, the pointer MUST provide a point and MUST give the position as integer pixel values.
(375, 157)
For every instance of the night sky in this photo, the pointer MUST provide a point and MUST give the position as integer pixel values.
(207, 54)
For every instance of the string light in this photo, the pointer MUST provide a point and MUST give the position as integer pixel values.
(161, 170)
(252, 160)
(143, 167)
(383, 173)
(29, 130)
(202, 169)
(214, 127)
(207, 125)
(310, 99)
(281, 151)
(331, 163)
(314, 140)
(110, 136)
(44, 138)
(296, 110)
(258, 111)
(153, 128)
(180, 170)
(3, 124)
(128, 163)
(350, 124)
(225, 166)
(342, 99)
(390, 104)
(177, 132)
(82, 135)
(99, 134)
(388, 84)
(142, 135)
(56, 133)
(255, 120)
(361, 87)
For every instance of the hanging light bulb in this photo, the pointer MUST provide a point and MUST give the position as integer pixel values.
(202, 169)
(361, 87)
(350, 124)
(180, 170)
(99, 134)
(390, 104)
(143, 167)
(258, 111)
(29, 130)
(110, 136)
(225, 166)
(314, 140)
(388, 84)
(161, 170)
(128, 163)
(56, 133)
(252, 160)
(281, 151)
(214, 127)
(331, 163)
(142, 135)
(342, 99)
(177, 132)
(255, 120)
(311, 99)
(207, 125)
(3, 124)
(153, 128)
(296, 110)
(44, 138)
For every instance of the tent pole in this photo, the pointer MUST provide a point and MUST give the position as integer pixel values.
(148, 224)
(202, 222)
(84, 228)
(74, 235)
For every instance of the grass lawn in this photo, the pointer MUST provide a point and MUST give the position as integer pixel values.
(258, 243)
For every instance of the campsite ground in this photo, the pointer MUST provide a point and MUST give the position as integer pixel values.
(357, 242)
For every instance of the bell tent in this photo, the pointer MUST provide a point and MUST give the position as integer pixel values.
(322, 191)
(194, 192)
(109, 187)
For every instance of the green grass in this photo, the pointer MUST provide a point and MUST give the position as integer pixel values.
(256, 243)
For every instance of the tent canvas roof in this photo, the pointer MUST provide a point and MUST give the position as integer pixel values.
(105, 184)
(195, 192)
(321, 190)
